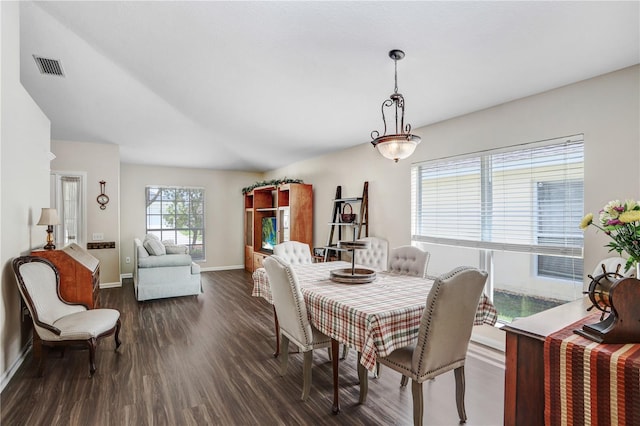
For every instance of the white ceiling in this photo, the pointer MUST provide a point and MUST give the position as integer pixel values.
(258, 85)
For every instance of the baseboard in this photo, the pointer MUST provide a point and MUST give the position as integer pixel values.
(6, 377)
(111, 285)
(129, 275)
(486, 354)
(221, 268)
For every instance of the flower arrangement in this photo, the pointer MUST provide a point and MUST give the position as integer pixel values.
(620, 221)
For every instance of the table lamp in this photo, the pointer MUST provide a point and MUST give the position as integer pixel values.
(49, 217)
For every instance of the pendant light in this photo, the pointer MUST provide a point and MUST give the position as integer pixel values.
(400, 145)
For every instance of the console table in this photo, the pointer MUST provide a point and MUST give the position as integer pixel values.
(524, 361)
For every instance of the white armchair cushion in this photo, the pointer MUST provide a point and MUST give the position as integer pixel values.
(164, 261)
(40, 281)
(154, 247)
(85, 325)
(172, 248)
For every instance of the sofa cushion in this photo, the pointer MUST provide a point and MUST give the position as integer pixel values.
(154, 247)
(168, 260)
(142, 252)
(173, 248)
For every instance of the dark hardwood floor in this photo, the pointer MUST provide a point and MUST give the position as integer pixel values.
(208, 360)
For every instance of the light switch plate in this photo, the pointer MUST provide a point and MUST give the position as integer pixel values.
(98, 236)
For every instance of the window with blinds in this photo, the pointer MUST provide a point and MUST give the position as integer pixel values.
(526, 198)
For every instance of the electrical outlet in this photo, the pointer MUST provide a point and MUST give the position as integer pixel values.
(127, 259)
(98, 236)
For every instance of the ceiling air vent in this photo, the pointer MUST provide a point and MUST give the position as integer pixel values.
(49, 66)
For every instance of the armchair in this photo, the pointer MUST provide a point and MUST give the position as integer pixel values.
(55, 321)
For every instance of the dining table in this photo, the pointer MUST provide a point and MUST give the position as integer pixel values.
(374, 318)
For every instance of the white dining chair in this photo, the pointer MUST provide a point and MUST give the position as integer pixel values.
(293, 252)
(292, 317)
(443, 337)
(409, 260)
(376, 256)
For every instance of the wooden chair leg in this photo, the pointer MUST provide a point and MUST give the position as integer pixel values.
(345, 352)
(37, 354)
(418, 404)
(459, 373)
(363, 376)
(92, 356)
(117, 334)
(277, 327)
(306, 374)
(284, 354)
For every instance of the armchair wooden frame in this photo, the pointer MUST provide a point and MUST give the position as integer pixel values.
(38, 342)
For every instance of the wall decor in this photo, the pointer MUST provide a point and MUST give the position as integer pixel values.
(103, 198)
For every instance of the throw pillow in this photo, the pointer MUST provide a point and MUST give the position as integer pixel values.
(173, 248)
(154, 247)
(152, 237)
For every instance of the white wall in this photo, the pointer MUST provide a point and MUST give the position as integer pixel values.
(605, 109)
(99, 161)
(24, 183)
(224, 204)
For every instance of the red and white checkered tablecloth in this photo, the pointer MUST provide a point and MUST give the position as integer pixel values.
(305, 273)
(375, 318)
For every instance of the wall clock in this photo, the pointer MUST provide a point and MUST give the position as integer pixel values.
(102, 199)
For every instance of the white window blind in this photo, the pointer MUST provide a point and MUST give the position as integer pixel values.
(491, 199)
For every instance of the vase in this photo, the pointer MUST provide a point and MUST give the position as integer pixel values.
(638, 270)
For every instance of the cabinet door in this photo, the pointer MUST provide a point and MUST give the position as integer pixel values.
(248, 258)
(258, 260)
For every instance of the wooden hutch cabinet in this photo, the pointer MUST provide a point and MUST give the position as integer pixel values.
(79, 274)
(285, 209)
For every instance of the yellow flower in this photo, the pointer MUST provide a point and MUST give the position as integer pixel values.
(630, 216)
(586, 221)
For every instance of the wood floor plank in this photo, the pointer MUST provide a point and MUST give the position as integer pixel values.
(208, 360)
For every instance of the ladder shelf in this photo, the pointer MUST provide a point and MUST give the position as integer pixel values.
(359, 227)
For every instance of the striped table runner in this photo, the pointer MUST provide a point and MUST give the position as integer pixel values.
(587, 383)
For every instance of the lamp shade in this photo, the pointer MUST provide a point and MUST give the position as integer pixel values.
(397, 147)
(49, 217)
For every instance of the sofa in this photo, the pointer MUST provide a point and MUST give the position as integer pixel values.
(162, 269)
